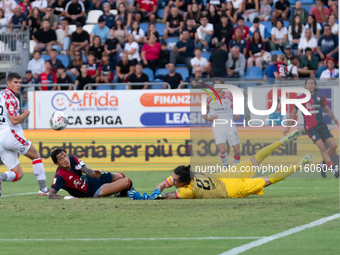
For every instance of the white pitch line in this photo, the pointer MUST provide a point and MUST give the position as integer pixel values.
(20, 194)
(133, 239)
(264, 240)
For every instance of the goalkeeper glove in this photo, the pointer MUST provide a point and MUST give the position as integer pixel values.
(135, 195)
(155, 194)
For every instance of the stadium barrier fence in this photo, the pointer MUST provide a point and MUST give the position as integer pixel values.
(126, 84)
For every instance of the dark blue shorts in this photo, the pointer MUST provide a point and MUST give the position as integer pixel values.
(320, 131)
(96, 183)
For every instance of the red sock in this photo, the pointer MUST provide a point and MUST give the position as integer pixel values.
(329, 164)
(16, 177)
(237, 157)
(122, 175)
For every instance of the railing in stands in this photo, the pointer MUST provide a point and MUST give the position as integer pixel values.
(127, 84)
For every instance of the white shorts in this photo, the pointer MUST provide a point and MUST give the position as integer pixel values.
(222, 135)
(10, 145)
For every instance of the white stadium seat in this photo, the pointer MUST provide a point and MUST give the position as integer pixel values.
(88, 28)
(32, 45)
(93, 16)
(72, 28)
(114, 12)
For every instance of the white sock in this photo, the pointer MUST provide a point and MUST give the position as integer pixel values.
(236, 160)
(39, 172)
(224, 158)
(9, 176)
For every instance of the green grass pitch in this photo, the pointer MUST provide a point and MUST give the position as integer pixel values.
(287, 204)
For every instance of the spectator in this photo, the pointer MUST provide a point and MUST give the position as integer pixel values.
(219, 5)
(151, 30)
(124, 16)
(218, 59)
(92, 66)
(174, 23)
(198, 76)
(199, 4)
(313, 26)
(128, 4)
(164, 55)
(231, 12)
(124, 69)
(54, 61)
(111, 47)
(333, 8)
(199, 61)
(47, 78)
(308, 63)
(3, 22)
(281, 66)
(36, 65)
(132, 49)
(320, 12)
(223, 31)
(239, 42)
(63, 78)
(108, 16)
(97, 48)
(40, 4)
(120, 31)
(100, 30)
(334, 26)
(75, 12)
(105, 73)
(183, 52)
(146, 10)
(59, 8)
(251, 9)
(270, 72)
(52, 18)
(265, 10)
(34, 21)
(244, 29)
(293, 67)
(296, 31)
(331, 71)
(29, 79)
(238, 6)
(256, 50)
(194, 14)
(236, 63)
(282, 10)
(83, 78)
(45, 38)
(150, 53)
(258, 27)
(26, 7)
(18, 19)
(9, 8)
(173, 78)
(279, 36)
(75, 64)
(63, 37)
(302, 13)
(204, 34)
(79, 40)
(307, 42)
(212, 16)
(190, 26)
(138, 33)
(138, 77)
(328, 45)
(289, 54)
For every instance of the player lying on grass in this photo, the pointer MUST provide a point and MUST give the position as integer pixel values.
(206, 185)
(69, 176)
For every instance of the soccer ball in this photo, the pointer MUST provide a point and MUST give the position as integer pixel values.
(58, 121)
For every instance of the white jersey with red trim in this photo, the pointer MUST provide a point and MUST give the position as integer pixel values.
(9, 106)
(224, 111)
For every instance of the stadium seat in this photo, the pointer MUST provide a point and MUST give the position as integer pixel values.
(160, 28)
(155, 86)
(171, 40)
(162, 71)
(93, 16)
(292, 2)
(307, 2)
(183, 71)
(32, 45)
(84, 58)
(248, 24)
(254, 72)
(45, 57)
(119, 87)
(295, 52)
(319, 71)
(104, 87)
(268, 25)
(306, 7)
(144, 26)
(72, 28)
(64, 59)
(160, 14)
(206, 55)
(114, 12)
(149, 73)
(286, 23)
(276, 52)
(180, 65)
(88, 28)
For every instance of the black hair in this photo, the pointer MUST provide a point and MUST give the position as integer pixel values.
(55, 153)
(54, 50)
(256, 20)
(184, 174)
(253, 37)
(12, 76)
(314, 24)
(293, 26)
(308, 49)
(60, 66)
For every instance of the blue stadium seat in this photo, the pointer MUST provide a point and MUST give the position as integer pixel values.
(84, 58)
(64, 59)
(319, 71)
(183, 71)
(180, 65)
(160, 28)
(144, 26)
(162, 71)
(307, 2)
(248, 24)
(149, 73)
(45, 57)
(337, 21)
(119, 87)
(306, 7)
(292, 2)
(160, 14)
(254, 72)
(268, 25)
(106, 87)
(286, 23)
(295, 52)
(155, 86)
(206, 55)
(276, 52)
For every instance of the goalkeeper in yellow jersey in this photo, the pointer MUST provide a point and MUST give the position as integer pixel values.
(206, 185)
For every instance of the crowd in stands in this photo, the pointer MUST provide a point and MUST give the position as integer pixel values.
(174, 40)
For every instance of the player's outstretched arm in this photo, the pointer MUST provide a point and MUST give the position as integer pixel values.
(53, 195)
(92, 173)
(15, 120)
(170, 195)
(331, 114)
(163, 185)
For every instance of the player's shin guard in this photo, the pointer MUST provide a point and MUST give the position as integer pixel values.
(279, 176)
(224, 158)
(39, 172)
(236, 159)
(9, 176)
(266, 151)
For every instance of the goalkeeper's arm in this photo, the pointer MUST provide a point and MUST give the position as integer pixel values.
(163, 185)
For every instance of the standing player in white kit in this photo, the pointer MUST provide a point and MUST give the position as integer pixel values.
(223, 132)
(12, 140)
